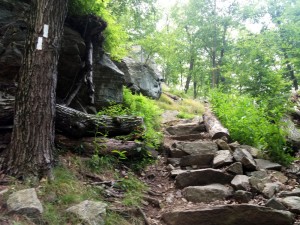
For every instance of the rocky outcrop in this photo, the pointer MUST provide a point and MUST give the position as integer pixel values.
(141, 78)
(72, 66)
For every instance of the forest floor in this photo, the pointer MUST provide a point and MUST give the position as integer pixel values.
(132, 198)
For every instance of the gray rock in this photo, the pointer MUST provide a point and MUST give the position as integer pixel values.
(295, 192)
(108, 81)
(235, 168)
(253, 151)
(202, 161)
(267, 165)
(243, 156)
(234, 145)
(242, 196)
(270, 189)
(229, 215)
(275, 204)
(202, 177)
(207, 193)
(222, 144)
(25, 202)
(91, 212)
(186, 129)
(141, 78)
(222, 158)
(262, 174)
(277, 176)
(292, 203)
(197, 147)
(258, 184)
(174, 161)
(241, 182)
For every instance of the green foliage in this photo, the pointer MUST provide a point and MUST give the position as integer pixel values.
(63, 191)
(115, 36)
(139, 105)
(133, 188)
(250, 123)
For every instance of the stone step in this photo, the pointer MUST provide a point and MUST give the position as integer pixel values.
(202, 177)
(178, 149)
(243, 214)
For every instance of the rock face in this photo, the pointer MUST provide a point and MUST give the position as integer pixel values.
(25, 202)
(207, 193)
(230, 215)
(108, 81)
(141, 78)
(241, 182)
(90, 212)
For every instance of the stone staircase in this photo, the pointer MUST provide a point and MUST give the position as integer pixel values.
(225, 183)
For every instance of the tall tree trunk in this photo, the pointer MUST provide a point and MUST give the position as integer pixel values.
(214, 49)
(195, 89)
(30, 152)
(189, 77)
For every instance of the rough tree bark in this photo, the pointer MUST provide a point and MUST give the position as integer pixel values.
(103, 146)
(77, 124)
(30, 152)
(214, 126)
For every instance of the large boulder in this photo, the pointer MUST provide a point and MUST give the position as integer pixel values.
(141, 78)
(108, 81)
(230, 215)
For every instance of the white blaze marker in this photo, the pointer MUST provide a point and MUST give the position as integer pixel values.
(46, 29)
(39, 45)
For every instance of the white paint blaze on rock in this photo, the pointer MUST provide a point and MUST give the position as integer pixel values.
(25, 202)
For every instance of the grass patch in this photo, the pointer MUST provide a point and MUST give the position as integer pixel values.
(187, 108)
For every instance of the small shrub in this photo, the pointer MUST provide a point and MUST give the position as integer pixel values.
(250, 123)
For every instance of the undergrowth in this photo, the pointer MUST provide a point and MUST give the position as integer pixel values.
(142, 106)
(251, 122)
(187, 108)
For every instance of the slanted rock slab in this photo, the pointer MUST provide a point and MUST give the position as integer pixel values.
(222, 158)
(230, 215)
(292, 203)
(196, 147)
(243, 156)
(275, 204)
(25, 202)
(207, 193)
(90, 212)
(202, 177)
(267, 165)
